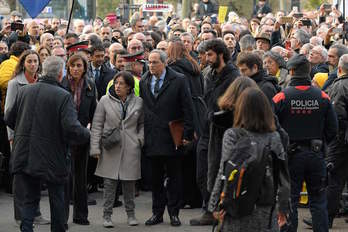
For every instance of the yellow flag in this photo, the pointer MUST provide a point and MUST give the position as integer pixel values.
(222, 14)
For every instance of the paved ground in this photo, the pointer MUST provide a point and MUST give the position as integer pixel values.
(143, 212)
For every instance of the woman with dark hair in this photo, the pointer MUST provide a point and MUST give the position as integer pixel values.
(181, 61)
(44, 52)
(253, 117)
(119, 112)
(26, 72)
(83, 90)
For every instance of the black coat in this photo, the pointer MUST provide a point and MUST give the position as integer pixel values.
(212, 8)
(88, 100)
(195, 83)
(172, 103)
(268, 84)
(338, 148)
(215, 86)
(258, 10)
(194, 78)
(44, 120)
(319, 68)
(106, 75)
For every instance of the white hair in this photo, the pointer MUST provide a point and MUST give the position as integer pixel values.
(52, 67)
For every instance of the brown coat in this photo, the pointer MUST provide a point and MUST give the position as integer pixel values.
(123, 161)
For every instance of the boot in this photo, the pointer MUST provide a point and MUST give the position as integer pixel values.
(205, 219)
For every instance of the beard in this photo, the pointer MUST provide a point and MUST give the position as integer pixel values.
(216, 64)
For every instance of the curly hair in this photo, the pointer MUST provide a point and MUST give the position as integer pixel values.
(219, 47)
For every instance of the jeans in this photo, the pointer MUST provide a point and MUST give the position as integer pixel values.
(308, 166)
(31, 193)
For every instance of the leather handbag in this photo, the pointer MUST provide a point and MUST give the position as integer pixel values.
(111, 138)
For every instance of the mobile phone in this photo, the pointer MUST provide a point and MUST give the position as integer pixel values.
(17, 26)
(295, 8)
(337, 30)
(285, 19)
(327, 7)
(298, 15)
(287, 45)
(306, 22)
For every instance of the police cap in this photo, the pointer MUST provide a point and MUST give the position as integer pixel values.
(138, 56)
(297, 61)
(80, 46)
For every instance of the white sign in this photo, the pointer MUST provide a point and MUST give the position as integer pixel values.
(157, 7)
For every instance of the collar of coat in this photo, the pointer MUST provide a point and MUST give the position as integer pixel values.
(170, 74)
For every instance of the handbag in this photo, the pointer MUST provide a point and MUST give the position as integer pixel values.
(111, 138)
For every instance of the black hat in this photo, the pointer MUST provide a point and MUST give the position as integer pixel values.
(297, 61)
(138, 56)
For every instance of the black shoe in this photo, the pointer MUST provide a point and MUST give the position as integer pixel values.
(83, 222)
(91, 201)
(330, 222)
(175, 221)
(154, 220)
(117, 203)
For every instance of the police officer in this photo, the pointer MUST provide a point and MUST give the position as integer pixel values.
(306, 114)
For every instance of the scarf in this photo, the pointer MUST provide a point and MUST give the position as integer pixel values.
(76, 89)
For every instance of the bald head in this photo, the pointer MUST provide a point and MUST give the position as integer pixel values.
(140, 36)
(134, 46)
(33, 28)
(163, 46)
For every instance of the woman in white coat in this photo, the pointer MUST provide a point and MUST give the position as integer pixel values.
(119, 108)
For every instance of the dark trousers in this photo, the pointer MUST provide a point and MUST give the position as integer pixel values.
(79, 158)
(19, 197)
(202, 169)
(338, 175)
(170, 195)
(308, 166)
(191, 193)
(31, 192)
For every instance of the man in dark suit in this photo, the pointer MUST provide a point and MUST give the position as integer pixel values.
(99, 70)
(166, 98)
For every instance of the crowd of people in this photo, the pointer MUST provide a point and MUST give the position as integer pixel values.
(164, 104)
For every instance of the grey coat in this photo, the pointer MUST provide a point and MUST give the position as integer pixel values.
(123, 161)
(261, 215)
(12, 91)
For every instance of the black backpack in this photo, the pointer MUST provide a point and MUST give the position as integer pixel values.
(248, 177)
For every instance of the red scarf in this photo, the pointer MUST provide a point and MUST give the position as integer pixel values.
(76, 89)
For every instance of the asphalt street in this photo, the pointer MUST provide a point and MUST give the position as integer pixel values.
(143, 212)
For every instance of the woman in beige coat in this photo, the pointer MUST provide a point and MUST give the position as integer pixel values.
(121, 163)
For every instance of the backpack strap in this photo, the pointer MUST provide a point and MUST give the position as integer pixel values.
(275, 183)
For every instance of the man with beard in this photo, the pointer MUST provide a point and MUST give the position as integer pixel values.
(222, 74)
(105, 33)
(250, 65)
